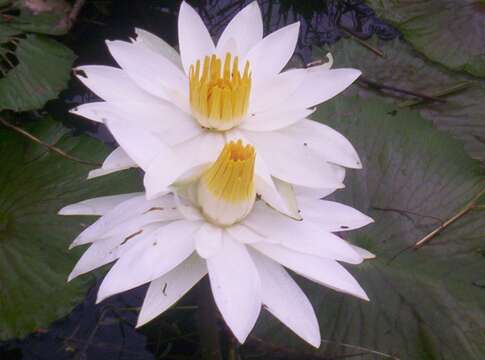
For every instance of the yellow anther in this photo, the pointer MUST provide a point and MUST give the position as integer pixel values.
(231, 176)
(219, 96)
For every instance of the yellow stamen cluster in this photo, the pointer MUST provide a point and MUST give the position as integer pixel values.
(230, 178)
(219, 95)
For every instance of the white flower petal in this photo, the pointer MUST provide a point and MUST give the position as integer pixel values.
(97, 206)
(142, 146)
(195, 41)
(243, 234)
(274, 119)
(189, 155)
(151, 71)
(130, 211)
(208, 240)
(321, 85)
(366, 254)
(311, 192)
(326, 272)
(284, 299)
(106, 250)
(158, 45)
(301, 236)
(168, 289)
(293, 162)
(288, 193)
(116, 161)
(112, 84)
(236, 287)
(150, 258)
(326, 142)
(244, 31)
(272, 93)
(331, 215)
(272, 53)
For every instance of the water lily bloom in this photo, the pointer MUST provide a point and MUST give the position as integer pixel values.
(170, 112)
(213, 224)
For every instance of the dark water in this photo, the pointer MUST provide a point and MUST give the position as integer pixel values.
(106, 331)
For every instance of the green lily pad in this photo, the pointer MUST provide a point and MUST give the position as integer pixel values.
(424, 304)
(34, 240)
(450, 32)
(35, 71)
(39, 16)
(461, 114)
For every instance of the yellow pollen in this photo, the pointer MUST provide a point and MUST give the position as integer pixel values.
(219, 94)
(231, 176)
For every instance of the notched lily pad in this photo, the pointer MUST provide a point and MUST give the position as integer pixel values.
(450, 32)
(425, 304)
(462, 112)
(34, 240)
(38, 16)
(33, 70)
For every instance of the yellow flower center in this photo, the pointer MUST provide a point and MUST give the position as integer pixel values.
(226, 191)
(219, 95)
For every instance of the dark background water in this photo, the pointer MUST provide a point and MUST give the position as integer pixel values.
(106, 331)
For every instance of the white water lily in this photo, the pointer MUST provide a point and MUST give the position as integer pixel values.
(214, 225)
(171, 112)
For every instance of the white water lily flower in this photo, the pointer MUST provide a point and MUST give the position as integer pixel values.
(214, 225)
(171, 112)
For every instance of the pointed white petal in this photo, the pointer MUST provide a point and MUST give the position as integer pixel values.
(106, 250)
(326, 272)
(168, 289)
(151, 71)
(321, 85)
(236, 287)
(243, 234)
(130, 213)
(150, 258)
(116, 161)
(274, 119)
(311, 192)
(112, 84)
(326, 142)
(285, 300)
(157, 45)
(288, 193)
(189, 155)
(301, 236)
(246, 29)
(97, 206)
(208, 240)
(195, 41)
(366, 254)
(142, 146)
(271, 54)
(332, 216)
(293, 162)
(272, 93)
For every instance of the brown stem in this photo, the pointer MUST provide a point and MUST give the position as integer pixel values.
(468, 207)
(208, 329)
(362, 42)
(48, 146)
(370, 83)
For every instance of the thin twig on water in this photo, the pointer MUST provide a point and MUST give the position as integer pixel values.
(48, 146)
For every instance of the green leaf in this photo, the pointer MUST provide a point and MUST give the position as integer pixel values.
(38, 69)
(461, 115)
(38, 16)
(425, 304)
(34, 240)
(450, 32)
